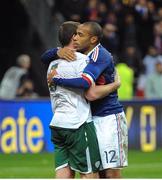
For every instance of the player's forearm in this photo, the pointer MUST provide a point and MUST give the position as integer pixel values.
(49, 55)
(73, 83)
(101, 91)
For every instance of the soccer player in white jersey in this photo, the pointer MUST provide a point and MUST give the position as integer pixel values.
(108, 115)
(72, 129)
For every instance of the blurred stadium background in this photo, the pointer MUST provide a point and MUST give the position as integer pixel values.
(132, 33)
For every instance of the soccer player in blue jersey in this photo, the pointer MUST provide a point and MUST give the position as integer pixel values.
(108, 115)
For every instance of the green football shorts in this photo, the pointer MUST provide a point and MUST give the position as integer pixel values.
(76, 148)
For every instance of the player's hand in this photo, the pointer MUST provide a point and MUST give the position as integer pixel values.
(67, 54)
(50, 76)
(117, 79)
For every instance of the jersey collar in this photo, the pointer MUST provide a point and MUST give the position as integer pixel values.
(93, 49)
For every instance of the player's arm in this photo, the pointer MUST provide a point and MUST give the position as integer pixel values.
(87, 79)
(55, 53)
(49, 55)
(100, 91)
(90, 74)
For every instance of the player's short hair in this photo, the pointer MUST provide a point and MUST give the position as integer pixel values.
(66, 32)
(95, 29)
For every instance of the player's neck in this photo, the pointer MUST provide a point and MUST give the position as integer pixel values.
(70, 45)
(90, 49)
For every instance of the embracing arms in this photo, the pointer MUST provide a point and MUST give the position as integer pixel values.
(100, 91)
(55, 53)
(95, 91)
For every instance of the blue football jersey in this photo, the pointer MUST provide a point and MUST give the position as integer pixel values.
(101, 69)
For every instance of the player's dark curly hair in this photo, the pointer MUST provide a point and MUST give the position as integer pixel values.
(66, 32)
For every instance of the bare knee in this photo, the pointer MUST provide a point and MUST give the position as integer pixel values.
(89, 176)
(65, 173)
(113, 173)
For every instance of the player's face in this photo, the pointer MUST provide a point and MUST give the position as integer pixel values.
(82, 40)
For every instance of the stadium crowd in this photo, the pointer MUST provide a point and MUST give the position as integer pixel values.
(132, 32)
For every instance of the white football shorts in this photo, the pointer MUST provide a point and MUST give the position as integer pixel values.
(112, 134)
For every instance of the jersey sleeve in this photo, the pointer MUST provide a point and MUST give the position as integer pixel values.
(49, 55)
(94, 69)
(73, 83)
(90, 74)
(77, 81)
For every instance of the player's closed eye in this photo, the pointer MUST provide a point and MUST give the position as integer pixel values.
(80, 34)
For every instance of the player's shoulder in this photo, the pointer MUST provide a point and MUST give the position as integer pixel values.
(54, 62)
(80, 56)
(103, 51)
(100, 54)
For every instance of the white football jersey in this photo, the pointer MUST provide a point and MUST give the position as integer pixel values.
(69, 105)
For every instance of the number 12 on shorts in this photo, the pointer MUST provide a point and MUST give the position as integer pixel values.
(110, 156)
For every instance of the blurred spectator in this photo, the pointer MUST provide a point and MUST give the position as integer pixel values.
(110, 38)
(14, 76)
(114, 5)
(159, 14)
(26, 90)
(91, 11)
(141, 8)
(129, 2)
(129, 7)
(153, 88)
(151, 9)
(125, 92)
(145, 25)
(141, 83)
(72, 9)
(102, 13)
(129, 32)
(133, 59)
(158, 36)
(111, 18)
(150, 60)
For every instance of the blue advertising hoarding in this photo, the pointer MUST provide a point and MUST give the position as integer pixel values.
(144, 119)
(24, 125)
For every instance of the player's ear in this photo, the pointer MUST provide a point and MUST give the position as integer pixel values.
(94, 39)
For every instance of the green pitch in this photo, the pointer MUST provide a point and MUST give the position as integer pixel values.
(141, 165)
